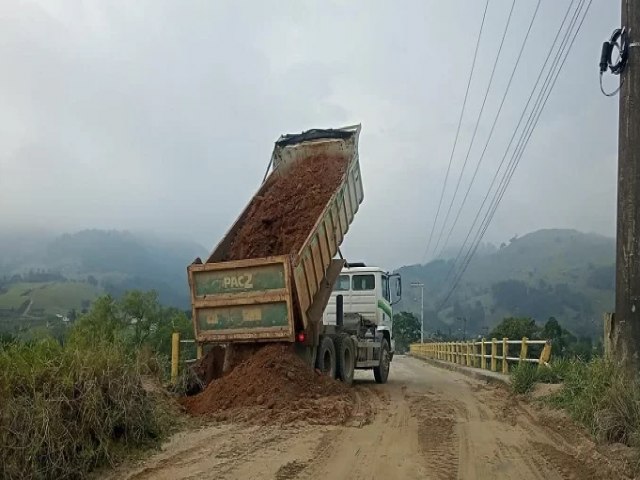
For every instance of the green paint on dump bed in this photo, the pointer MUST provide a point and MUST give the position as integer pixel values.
(243, 317)
(237, 280)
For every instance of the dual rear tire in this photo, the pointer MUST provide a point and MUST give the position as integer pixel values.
(337, 357)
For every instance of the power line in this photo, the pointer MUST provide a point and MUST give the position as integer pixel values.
(455, 141)
(475, 130)
(493, 126)
(518, 154)
(515, 131)
(524, 138)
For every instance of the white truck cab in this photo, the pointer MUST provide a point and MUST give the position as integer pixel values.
(367, 292)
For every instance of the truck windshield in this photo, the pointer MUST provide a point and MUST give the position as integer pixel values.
(342, 284)
(364, 282)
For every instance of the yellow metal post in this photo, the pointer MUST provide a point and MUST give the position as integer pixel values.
(175, 355)
(546, 354)
(198, 350)
(483, 352)
(523, 349)
(468, 354)
(505, 354)
(494, 361)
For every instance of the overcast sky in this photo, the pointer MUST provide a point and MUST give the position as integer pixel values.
(161, 115)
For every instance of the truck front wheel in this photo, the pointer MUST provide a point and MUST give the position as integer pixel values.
(326, 359)
(381, 372)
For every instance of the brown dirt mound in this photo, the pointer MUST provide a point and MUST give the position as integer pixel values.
(275, 386)
(279, 221)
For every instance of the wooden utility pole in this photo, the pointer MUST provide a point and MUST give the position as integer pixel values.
(624, 334)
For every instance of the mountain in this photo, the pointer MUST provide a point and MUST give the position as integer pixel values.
(561, 273)
(43, 276)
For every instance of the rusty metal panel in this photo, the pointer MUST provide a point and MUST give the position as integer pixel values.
(309, 274)
(304, 296)
(335, 221)
(357, 180)
(324, 246)
(316, 258)
(348, 204)
(342, 214)
(239, 279)
(245, 299)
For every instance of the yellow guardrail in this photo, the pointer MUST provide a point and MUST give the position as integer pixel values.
(175, 354)
(484, 354)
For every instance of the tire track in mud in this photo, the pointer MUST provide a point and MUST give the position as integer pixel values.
(424, 423)
(436, 435)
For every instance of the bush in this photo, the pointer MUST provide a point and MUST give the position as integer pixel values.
(523, 377)
(68, 409)
(598, 395)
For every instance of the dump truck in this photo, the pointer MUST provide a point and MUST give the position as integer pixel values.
(243, 296)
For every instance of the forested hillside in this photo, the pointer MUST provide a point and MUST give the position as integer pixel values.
(561, 273)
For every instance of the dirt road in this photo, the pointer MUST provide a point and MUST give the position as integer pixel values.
(429, 423)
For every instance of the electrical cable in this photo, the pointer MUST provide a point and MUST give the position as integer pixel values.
(619, 34)
(524, 111)
(455, 141)
(475, 130)
(517, 157)
(493, 126)
(534, 116)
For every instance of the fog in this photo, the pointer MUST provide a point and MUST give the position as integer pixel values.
(160, 116)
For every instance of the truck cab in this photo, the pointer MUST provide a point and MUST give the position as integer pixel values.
(366, 291)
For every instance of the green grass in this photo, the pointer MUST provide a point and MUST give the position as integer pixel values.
(62, 297)
(524, 377)
(16, 295)
(49, 297)
(67, 410)
(599, 396)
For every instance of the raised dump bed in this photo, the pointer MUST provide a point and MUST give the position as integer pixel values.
(271, 275)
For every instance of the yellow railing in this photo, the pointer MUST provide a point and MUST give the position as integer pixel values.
(175, 354)
(484, 354)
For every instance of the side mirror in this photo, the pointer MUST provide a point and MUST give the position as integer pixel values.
(398, 287)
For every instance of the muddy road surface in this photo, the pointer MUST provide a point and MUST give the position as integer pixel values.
(429, 423)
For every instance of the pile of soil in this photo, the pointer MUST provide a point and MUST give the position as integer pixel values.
(275, 386)
(279, 221)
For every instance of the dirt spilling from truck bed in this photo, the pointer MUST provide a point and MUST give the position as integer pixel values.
(279, 221)
(275, 386)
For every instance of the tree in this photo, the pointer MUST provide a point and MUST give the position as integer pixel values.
(516, 328)
(560, 337)
(142, 310)
(406, 330)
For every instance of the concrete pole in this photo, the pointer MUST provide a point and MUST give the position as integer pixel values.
(625, 334)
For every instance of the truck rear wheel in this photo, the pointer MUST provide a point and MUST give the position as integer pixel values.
(326, 359)
(345, 353)
(381, 372)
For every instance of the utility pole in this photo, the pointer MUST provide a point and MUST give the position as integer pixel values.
(421, 285)
(624, 334)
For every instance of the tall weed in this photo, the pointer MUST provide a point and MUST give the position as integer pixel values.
(66, 410)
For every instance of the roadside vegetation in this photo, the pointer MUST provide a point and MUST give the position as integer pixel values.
(594, 393)
(70, 405)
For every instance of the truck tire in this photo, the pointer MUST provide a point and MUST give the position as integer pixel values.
(346, 357)
(381, 372)
(326, 359)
